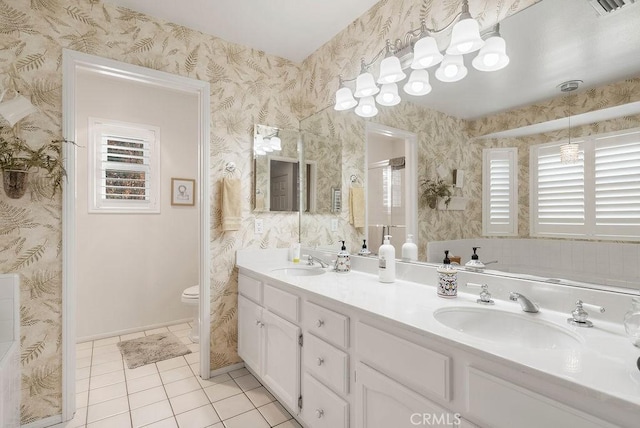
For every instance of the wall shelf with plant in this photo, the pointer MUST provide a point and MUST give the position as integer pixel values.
(434, 191)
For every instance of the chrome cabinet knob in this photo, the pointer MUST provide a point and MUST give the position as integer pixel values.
(320, 323)
(319, 413)
(320, 361)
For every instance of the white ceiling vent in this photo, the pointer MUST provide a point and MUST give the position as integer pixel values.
(604, 7)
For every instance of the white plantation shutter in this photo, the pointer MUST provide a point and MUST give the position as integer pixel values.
(598, 197)
(617, 184)
(500, 192)
(125, 167)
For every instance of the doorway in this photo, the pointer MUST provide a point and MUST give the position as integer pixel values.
(73, 64)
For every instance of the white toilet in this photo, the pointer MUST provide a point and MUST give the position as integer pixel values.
(191, 297)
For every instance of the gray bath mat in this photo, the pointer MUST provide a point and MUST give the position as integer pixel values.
(151, 349)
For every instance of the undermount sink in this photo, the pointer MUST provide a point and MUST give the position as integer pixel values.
(301, 271)
(506, 328)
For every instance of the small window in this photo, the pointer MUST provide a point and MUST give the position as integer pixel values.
(500, 192)
(124, 167)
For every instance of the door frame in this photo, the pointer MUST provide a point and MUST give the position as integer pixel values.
(72, 61)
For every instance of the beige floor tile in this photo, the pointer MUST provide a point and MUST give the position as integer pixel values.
(82, 385)
(185, 340)
(120, 421)
(146, 397)
(198, 418)
(176, 374)
(107, 393)
(141, 371)
(222, 391)
(194, 347)
(152, 413)
(143, 383)
(83, 362)
(83, 373)
(291, 423)
(84, 345)
(106, 349)
(260, 396)
(156, 331)
(165, 423)
(216, 380)
(106, 358)
(232, 406)
(113, 366)
(240, 372)
(106, 379)
(83, 353)
(192, 358)
(189, 401)
(251, 419)
(182, 386)
(179, 327)
(82, 399)
(107, 409)
(106, 341)
(274, 413)
(79, 419)
(171, 363)
(181, 333)
(247, 382)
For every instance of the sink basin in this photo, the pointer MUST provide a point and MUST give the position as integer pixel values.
(301, 271)
(506, 328)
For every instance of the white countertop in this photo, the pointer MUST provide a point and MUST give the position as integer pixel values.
(602, 362)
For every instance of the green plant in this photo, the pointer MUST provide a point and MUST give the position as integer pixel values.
(17, 155)
(434, 190)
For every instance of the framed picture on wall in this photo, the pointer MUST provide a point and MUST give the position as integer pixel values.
(183, 191)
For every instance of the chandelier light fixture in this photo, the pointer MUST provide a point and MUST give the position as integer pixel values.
(570, 152)
(419, 51)
(266, 140)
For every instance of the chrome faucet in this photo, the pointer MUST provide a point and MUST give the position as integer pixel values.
(526, 304)
(311, 259)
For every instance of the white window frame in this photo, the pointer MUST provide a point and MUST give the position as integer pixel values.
(592, 228)
(99, 131)
(490, 225)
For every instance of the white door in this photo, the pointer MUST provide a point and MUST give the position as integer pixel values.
(382, 403)
(281, 358)
(280, 194)
(249, 333)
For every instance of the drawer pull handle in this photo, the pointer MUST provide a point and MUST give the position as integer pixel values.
(319, 413)
(320, 323)
(320, 361)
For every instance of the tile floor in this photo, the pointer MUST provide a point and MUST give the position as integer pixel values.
(168, 393)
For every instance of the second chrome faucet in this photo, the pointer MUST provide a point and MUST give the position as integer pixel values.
(526, 304)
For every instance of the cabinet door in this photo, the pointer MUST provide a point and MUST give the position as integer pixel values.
(382, 403)
(281, 358)
(249, 333)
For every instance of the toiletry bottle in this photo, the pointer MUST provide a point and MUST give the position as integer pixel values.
(409, 250)
(364, 251)
(295, 252)
(387, 261)
(447, 278)
(474, 264)
(343, 262)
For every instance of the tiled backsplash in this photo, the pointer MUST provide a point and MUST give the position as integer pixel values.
(608, 263)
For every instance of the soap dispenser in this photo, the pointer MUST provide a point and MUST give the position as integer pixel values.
(409, 250)
(387, 261)
(447, 278)
(343, 262)
(474, 264)
(364, 251)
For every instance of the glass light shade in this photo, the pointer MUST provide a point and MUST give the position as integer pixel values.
(390, 70)
(258, 141)
(14, 110)
(569, 153)
(492, 56)
(367, 107)
(344, 99)
(258, 151)
(388, 95)
(465, 37)
(267, 148)
(276, 143)
(418, 83)
(266, 142)
(365, 86)
(451, 69)
(426, 53)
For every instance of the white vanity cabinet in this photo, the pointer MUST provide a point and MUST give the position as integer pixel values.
(268, 343)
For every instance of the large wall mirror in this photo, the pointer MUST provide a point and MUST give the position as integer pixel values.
(451, 138)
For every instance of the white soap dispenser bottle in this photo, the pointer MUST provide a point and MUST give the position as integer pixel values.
(343, 262)
(409, 250)
(387, 261)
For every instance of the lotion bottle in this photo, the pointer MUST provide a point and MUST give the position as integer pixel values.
(409, 250)
(447, 278)
(387, 261)
(343, 262)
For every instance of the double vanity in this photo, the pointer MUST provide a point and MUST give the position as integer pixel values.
(344, 350)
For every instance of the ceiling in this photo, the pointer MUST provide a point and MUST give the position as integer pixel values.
(550, 42)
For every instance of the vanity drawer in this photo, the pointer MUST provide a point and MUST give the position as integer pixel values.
(282, 303)
(327, 363)
(398, 358)
(250, 288)
(327, 324)
(321, 408)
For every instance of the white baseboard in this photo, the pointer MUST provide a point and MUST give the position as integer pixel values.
(51, 421)
(227, 369)
(131, 330)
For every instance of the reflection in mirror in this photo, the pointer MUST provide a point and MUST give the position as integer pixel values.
(323, 157)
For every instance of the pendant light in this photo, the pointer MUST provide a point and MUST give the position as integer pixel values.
(426, 53)
(493, 55)
(451, 69)
(388, 95)
(365, 86)
(367, 107)
(418, 83)
(276, 142)
(569, 153)
(344, 99)
(465, 36)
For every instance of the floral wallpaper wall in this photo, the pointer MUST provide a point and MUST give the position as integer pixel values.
(247, 87)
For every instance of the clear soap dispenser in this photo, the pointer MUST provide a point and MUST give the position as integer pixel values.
(474, 264)
(343, 262)
(364, 251)
(447, 278)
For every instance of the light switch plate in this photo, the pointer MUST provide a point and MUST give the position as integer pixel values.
(258, 226)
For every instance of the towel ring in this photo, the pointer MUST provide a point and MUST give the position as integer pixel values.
(230, 167)
(354, 178)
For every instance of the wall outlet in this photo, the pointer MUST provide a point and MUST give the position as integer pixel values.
(258, 226)
(334, 224)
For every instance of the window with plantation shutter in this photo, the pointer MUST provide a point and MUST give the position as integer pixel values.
(500, 192)
(124, 167)
(597, 197)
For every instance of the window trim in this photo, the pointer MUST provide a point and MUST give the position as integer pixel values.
(511, 155)
(102, 128)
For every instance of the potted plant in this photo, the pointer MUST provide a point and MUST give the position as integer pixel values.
(17, 158)
(433, 190)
